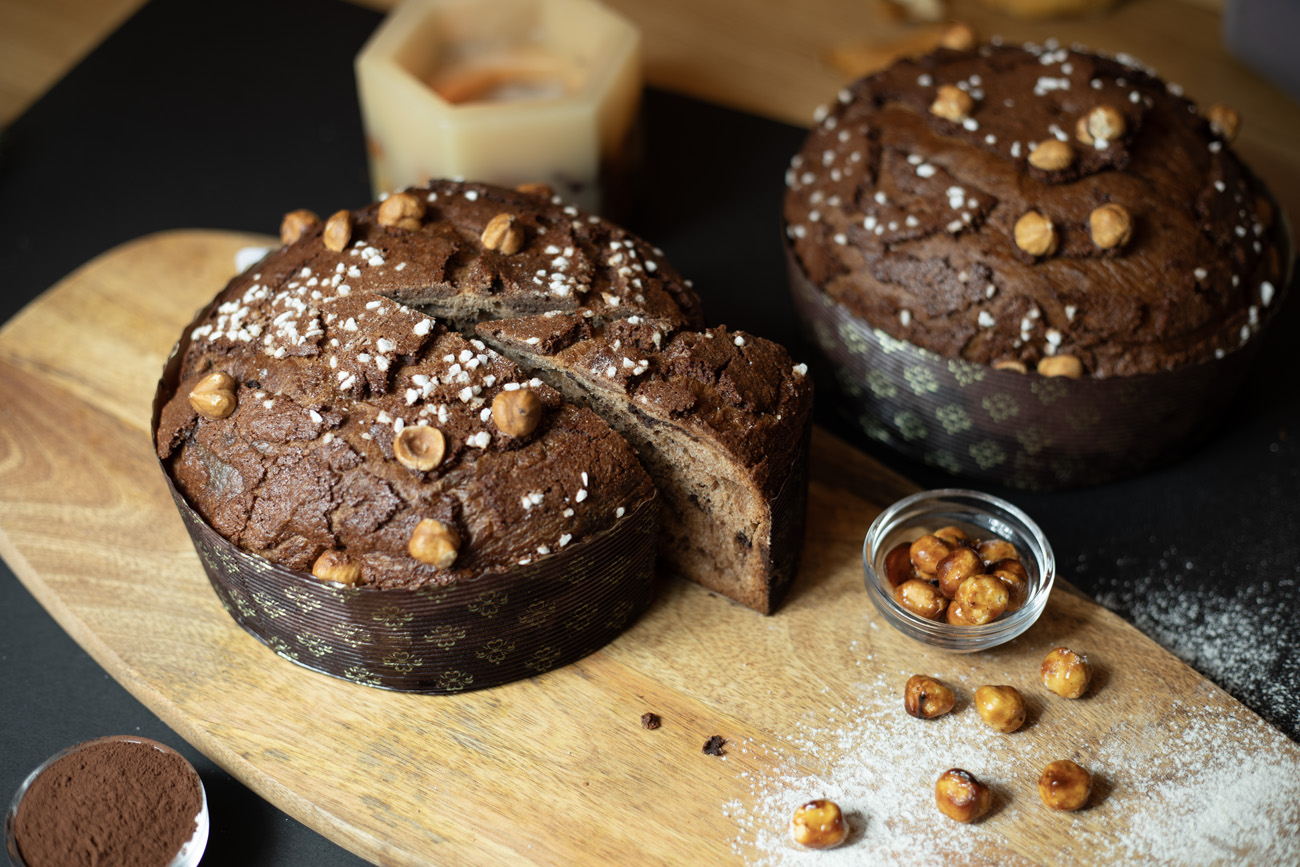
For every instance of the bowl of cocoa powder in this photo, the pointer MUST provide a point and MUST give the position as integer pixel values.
(109, 802)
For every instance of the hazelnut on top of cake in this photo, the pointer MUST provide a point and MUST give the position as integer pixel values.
(1012, 204)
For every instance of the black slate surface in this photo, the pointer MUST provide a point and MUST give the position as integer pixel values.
(227, 115)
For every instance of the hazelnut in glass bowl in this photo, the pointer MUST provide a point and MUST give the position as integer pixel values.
(925, 542)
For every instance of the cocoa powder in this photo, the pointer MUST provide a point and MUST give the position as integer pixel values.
(112, 803)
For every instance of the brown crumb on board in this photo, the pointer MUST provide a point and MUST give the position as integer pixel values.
(650, 721)
(713, 746)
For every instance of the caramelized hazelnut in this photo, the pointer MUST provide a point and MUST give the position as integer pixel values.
(819, 824)
(503, 235)
(958, 616)
(927, 551)
(921, 598)
(982, 599)
(958, 37)
(1010, 365)
(336, 566)
(338, 231)
(1051, 155)
(960, 796)
(536, 188)
(1064, 785)
(1224, 121)
(954, 536)
(926, 698)
(952, 103)
(898, 564)
(1110, 226)
(401, 211)
(993, 550)
(296, 224)
(419, 447)
(1100, 126)
(1016, 579)
(1035, 234)
(1061, 365)
(956, 568)
(435, 543)
(1001, 707)
(1066, 673)
(214, 396)
(517, 413)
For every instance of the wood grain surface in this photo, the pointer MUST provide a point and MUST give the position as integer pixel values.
(557, 769)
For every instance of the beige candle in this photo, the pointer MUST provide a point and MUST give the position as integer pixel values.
(504, 91)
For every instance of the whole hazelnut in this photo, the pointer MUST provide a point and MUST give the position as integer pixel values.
(1064, 785)
(296, 224)
(956, 568)
(1110, 226)
(1100, 126)
(927, 551)
(819, 824)
(1066, 673)
(1224, 121)
(1016, 580)
(1068, 366)
(336, 566)
(338, 231)
(958, 37)
(954, 536)
(921, 598)
(214, 396)
(1001, 707)
(401, 211)
(952, 103)
(535, 188)
(993, 550)
(1035, 234)
(982, 599)
(503, 235)
(419, 447)
(517, 413)
(1052, 155)
(926, 698)
(1010, 365)
(960, 796)
(435, 543)
(898, 564)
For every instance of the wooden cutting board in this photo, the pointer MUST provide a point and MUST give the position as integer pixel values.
(558, 770)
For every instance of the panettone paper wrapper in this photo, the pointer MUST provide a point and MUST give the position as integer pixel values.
(467, 635)
(1019, 430)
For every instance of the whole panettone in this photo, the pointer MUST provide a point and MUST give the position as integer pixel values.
(966, 224)
(440, 410)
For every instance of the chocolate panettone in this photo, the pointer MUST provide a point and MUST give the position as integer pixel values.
(451, 388)
(1012, 204)
(970, 214)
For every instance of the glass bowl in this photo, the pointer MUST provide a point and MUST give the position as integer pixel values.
(981, 516)
(191, 851)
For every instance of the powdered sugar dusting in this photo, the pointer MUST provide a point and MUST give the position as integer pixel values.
(1195, 786)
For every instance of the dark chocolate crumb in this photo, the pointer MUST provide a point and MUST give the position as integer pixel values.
(713, 746)
(650, 721)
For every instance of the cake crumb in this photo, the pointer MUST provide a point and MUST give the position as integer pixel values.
(650, 721)
(713, 746)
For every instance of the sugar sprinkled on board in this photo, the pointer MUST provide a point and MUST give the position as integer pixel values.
(1211, 790)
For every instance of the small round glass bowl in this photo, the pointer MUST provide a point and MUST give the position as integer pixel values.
(190, 852)
(982, 516)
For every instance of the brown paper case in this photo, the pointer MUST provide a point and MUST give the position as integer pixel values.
(1019, 430)
(468, 635)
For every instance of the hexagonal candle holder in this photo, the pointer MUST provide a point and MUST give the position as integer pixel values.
(506, 92)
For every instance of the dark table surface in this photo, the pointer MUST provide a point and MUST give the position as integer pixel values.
(228, 115)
